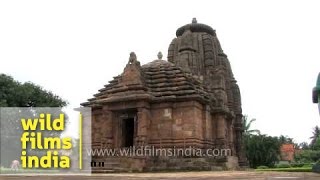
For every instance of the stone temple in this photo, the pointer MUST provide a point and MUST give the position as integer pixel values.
(190, 100)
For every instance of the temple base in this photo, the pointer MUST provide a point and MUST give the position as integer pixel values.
(149, 164)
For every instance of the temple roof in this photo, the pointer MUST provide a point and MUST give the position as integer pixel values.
(158, 80)
(164, 80)
(195, 27)
(157, 63)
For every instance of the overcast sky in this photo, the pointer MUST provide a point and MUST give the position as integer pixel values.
(75, 47)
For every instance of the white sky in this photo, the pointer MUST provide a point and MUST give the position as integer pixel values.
(75, 47)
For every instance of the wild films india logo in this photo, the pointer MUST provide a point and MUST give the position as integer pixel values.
(51, 145)
(38, 140)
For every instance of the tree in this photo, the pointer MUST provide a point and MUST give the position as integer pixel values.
(304, 146)
(285, 140)
(16, 94)
(262, 150)
(316, 145)
(315, 135)
(26, 96)
(307, 156)
(247, 125)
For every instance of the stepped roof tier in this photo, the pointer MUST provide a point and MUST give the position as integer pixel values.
(156, 81)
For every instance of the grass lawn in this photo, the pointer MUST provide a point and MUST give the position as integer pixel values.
(291, 169)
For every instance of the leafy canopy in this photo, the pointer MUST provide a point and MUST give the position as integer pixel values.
(16, 94)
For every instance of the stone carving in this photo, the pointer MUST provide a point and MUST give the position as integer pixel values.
(132, 58)
(160, 55)
(194, 20)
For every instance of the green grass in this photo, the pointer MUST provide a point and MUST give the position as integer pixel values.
(291, 169)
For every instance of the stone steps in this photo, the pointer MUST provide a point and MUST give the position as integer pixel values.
(111, 165)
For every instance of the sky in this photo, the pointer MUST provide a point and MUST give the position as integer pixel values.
(74, 47)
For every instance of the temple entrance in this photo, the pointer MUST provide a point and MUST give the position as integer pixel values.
(128, 132)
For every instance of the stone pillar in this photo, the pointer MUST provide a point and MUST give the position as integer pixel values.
(107, 130)
(231, 136)
(208, 126)
(230, 132)
(96, 131)
(240, 149)
(221, 130)
(142, 121)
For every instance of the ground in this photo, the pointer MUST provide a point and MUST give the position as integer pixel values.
(226, 175)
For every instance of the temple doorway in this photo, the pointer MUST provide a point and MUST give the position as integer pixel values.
(128, 132)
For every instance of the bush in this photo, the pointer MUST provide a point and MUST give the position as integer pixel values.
(308, 164)
(316, 167)
(283, 166)
(297, 164)
(307, 156)
(262, 150)
(262, 167)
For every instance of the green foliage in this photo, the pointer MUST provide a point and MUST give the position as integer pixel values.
(304, 146)
(316, 167)
(283, 166)
(285, 140)
(247, 126)
(316, 145)
(262, 150)
(297, 164)
(16, 94)
(27, 95)
(315, 136)
(307, 156)
(262, 167)
(308, 164)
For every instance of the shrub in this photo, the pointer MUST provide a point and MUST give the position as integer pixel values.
(262, 150)
(297, 164)
(308, 164)
(316, 168)
(262, 167)
(283, 166)
(308, 156)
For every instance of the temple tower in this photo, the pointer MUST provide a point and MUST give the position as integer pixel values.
(197, 49)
